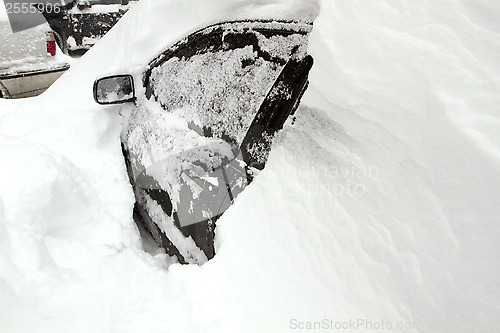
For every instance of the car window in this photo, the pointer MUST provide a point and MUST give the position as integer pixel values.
(219, 79)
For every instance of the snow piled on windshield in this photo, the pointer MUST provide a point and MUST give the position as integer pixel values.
(236, 79)
(379, 206)
(234, 95)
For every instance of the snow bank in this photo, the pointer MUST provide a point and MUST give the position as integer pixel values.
(379, 205)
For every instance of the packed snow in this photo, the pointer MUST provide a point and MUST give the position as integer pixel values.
(378, 208)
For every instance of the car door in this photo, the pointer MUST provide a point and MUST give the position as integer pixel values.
(214, 102)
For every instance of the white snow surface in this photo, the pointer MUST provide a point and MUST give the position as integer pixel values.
(380, 204)
(3, 12)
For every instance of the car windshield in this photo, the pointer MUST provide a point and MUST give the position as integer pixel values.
(219, 78)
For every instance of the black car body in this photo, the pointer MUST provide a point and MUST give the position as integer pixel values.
(211, 106)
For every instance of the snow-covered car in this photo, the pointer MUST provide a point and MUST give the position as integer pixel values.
(26, 68)
(203, 122)
(79, 24)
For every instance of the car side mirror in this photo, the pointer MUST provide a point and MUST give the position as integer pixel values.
(114, 89)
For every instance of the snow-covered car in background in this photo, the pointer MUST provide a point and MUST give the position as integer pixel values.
(203, 124)
(26, 68)
(79, 24)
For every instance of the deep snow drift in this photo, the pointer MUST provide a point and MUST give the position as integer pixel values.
(378, 206)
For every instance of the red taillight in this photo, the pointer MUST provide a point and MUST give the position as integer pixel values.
(51, 44)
